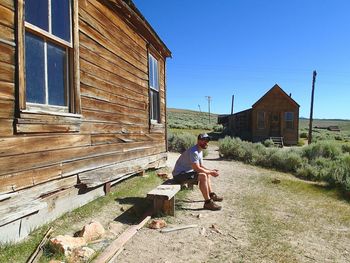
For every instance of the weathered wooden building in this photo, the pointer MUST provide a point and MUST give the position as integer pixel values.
(275, 114)
(82, 105)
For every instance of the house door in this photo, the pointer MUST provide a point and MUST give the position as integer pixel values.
(275, 125)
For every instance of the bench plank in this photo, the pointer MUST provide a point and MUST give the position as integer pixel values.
(168, 191)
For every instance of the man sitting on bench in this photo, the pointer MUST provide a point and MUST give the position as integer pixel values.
(189, 167)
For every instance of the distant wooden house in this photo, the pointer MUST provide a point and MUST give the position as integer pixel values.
(274, 115)
(82, 105)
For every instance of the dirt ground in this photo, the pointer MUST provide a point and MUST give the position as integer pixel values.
(266, 217)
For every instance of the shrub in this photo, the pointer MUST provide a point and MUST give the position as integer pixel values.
(268, 143)
(218, 128)
(303, 135)
(322, 149)
(345, 148)
(181, 142)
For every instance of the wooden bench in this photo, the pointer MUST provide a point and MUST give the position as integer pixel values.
(164, 198)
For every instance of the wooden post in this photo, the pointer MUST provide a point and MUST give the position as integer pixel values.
(107, 188)
(209, 99)
(233, 99)
(312, 106)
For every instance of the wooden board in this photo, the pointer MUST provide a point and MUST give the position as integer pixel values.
(167, 191)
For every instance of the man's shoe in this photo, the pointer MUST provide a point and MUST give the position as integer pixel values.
(210, 205)
(215, 197)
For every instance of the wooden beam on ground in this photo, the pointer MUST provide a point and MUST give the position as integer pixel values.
(166, 230)
(117, 244)
(36, 254)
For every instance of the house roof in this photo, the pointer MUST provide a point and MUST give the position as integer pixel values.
(133, 17)
(271, 90)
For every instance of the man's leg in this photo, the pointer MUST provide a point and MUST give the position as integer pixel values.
(203, 185)
(209, 183)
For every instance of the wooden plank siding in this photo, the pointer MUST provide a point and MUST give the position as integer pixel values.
(44, 154)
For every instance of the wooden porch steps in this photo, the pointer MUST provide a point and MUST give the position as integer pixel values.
(278, 141)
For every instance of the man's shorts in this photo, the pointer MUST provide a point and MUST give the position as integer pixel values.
(185, 177)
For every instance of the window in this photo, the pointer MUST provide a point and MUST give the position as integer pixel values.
(261, 120)
(154, 88)
(289, 119)
(48, 57)
(47, 47)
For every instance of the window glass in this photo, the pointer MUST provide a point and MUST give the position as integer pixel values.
(60, 16)
(155, 86)
(150, 71)
(36, 13)
(56, 68)
(35, 68)
(155, 105)
(289, 119)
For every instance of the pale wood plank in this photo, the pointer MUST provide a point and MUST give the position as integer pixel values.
(7, 108)
(7, 34)
(7, 72)
(7, 91)
(6, 127)
(7, 16)
(7, 54)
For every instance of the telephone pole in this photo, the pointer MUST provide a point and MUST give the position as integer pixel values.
(209, 100)
(312, 106)
(199, 107)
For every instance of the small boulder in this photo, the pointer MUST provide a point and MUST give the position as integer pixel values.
(157, 224)
(92, 231)
(82, 254)
(66, 244)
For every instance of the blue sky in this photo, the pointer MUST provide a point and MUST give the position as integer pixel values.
(244, 47)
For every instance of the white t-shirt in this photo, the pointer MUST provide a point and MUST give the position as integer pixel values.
(187, 158)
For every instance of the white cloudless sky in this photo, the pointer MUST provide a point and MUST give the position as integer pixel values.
(243, 47)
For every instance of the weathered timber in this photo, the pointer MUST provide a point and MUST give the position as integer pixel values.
(94, 18)
(25, 179)
(113, 172)
(92, 92)
(7, 108)
(6, 127)
(8, 3)
(7, 16)
(94, 104)
(46, 128)
(7, 91)
(97, 71)
(7, 72)
(7, 34)
(114, 88)
(9, 164)
(89, 164)
(101, 128)
(110, 118)
(34, 257)
(7, 54)
(117, 244)
(95, 34)
(13, 212)
(28, 144)
(136, 40)
(111, 66)
(91, 45)
(171, 229)
(163, 197)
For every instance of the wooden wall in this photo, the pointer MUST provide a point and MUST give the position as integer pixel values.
(113, 137)
(276, 102)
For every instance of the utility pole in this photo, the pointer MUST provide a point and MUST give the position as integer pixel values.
(199, 107)
(312, 106)
(233, 99)
(209, 99)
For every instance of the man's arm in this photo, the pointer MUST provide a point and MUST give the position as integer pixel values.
(202, 169)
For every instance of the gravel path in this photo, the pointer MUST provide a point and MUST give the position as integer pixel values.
(263, 220)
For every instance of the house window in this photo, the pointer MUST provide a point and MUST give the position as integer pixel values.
(261, 120)
(48, 49)
(154, 88)
(289, 120)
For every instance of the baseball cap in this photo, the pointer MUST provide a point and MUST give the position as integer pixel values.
(203, 136)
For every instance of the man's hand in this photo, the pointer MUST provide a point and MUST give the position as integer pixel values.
(214, 173)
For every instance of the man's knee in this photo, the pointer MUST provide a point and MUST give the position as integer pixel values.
(202, 177)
